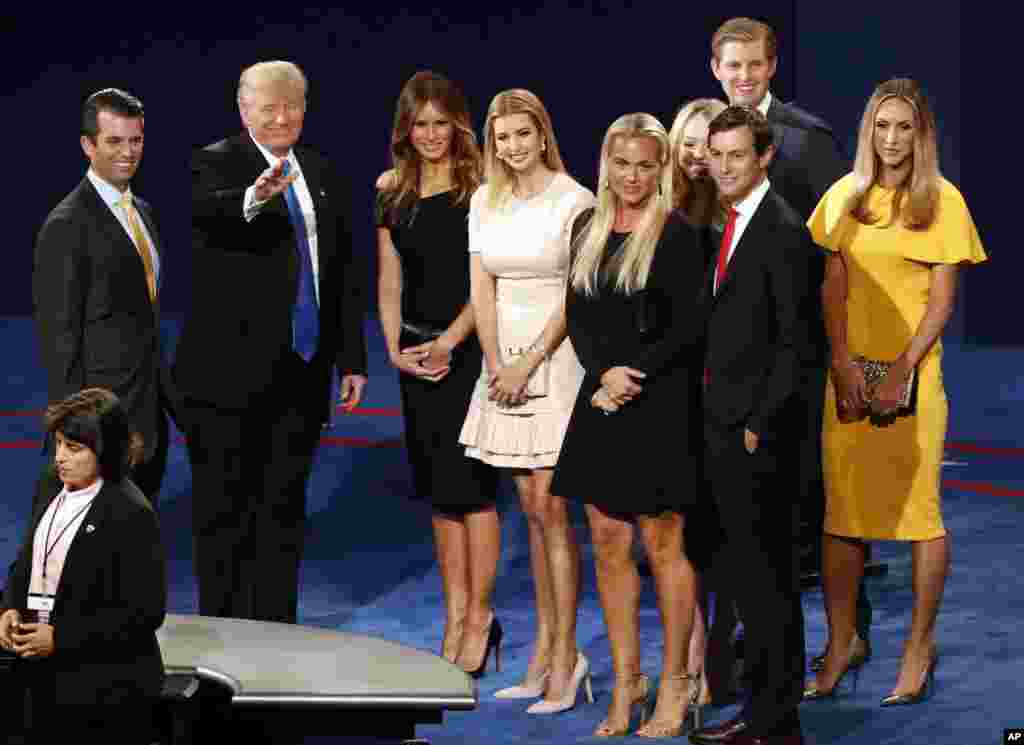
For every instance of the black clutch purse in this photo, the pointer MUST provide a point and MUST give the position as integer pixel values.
(414, 334)
(420, 333)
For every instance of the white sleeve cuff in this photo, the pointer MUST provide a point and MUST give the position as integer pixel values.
(250, 207)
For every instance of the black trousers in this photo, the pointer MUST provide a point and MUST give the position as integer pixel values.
(811, 483)
(249, 475)
(129, 721)
(755, 496)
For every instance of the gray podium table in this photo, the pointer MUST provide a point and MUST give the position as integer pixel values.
(316, 681)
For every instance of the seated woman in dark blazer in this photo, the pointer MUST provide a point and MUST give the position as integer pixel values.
(88, 590)
(631, 450)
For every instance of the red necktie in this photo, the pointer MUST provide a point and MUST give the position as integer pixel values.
(723, 250)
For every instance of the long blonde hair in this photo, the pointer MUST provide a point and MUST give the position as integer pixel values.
(498, 175)
(632, 264)
(921, 189)
(696, 200)
(422, 88)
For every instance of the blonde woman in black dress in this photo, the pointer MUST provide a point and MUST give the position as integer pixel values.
(631, 450)
(423, 291)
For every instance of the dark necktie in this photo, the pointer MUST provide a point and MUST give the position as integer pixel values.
(305, 315)
(723, 250)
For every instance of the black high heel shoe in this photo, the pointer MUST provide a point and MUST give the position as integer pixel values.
(855, 660)
(927, 684)
(494, 635)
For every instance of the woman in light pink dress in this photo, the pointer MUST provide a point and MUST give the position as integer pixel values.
(520, 224)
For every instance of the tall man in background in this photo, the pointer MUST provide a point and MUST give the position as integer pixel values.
(96, 286)
(275, 309)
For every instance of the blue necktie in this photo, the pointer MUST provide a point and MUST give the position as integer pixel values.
(305, 315)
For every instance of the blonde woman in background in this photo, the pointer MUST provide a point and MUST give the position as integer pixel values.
(695, 196)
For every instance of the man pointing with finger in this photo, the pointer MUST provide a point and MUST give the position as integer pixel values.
(275, 308)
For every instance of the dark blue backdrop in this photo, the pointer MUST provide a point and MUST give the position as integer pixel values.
(589, 62)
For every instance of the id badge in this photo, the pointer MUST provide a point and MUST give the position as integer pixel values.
(42, 605)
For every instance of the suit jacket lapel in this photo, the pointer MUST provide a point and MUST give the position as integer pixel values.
(84, 543)
(107, 222)
(740, 253)
(313, 177)
(114, 231)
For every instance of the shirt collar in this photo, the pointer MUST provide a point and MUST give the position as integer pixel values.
(108, 193)
(765, 103)
(271, 158)
(82, 495)
(749, 203)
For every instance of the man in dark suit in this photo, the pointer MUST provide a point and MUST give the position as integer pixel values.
(96, 286)
(757, 300)
(275, 309)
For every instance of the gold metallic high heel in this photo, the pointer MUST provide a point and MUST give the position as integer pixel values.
(641, 682)
(663, 728)
(927, 684)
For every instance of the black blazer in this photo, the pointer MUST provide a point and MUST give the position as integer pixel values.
(95, 322)
(111, 600)
(238, 336)
(758, 324)
(808, 157)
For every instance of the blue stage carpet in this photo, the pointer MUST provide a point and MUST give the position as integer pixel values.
(369, 566)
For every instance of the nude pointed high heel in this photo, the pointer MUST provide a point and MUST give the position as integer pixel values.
(526, 689)
(580, 674)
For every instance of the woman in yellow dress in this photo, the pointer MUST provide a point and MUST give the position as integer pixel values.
(897, 233)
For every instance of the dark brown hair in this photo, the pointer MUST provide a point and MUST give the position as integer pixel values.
(95, 418)
(114, 100)
(735, 117)
(422, 88)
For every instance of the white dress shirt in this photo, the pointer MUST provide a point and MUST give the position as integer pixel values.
(745, 210)
(251, 207)
(112, 197)
(765, 103)
(57, 528)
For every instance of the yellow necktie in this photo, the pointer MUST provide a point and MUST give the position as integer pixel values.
(141, 244)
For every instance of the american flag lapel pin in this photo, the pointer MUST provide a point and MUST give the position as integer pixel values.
(90, 528)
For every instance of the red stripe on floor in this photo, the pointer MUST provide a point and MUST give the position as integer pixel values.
(21, 444)
(982, 488)
(374, 411)
(360, 442)
(970, 447)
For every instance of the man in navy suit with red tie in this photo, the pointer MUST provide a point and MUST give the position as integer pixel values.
(276, 308)
(757, 302)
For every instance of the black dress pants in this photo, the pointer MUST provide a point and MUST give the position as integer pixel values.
(755, 496)
(249, 473)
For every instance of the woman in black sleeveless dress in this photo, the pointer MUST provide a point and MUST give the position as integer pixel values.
(421, 216)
